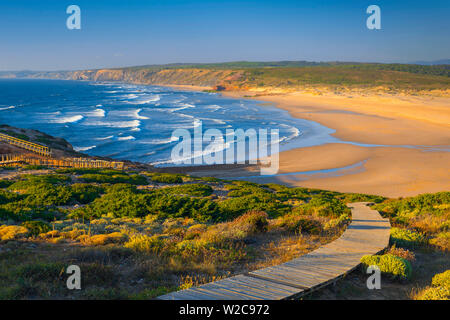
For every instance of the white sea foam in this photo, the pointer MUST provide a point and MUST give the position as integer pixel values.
(138, 116)
(83, 148)
(214, 107)
(188, 105)
(214, 147)
(115, 124)
(197, 123)
(131, 96)
(160, 141)
(105, 138)
(128, 114)
(215, 120)
(126, 138)
(295, 133)
(7, 108)
(154, 98)
(70, 119)
(294, 130)
(100, 113)
(57, 113)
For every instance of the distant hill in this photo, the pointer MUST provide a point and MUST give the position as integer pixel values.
(270, 76)
(432, 63)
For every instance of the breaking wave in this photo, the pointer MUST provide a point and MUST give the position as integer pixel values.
(70, 119)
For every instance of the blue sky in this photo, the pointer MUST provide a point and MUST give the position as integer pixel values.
(33, 34)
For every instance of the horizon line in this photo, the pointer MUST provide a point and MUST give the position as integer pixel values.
(421, 62)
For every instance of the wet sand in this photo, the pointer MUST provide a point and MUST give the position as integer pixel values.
(387, 171)
(383, 120)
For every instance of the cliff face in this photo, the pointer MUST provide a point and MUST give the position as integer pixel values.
(342, 79)
(191, 76)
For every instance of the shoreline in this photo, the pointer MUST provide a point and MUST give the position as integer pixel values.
(388, 122)
(393, 121)
(391, 170)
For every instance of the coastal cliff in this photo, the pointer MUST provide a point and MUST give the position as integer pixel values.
(197, 77)
(282, 77)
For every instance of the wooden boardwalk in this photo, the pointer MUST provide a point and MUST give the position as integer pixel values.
(6, 159)
(367, 234)
(45, 157)
(27, 145)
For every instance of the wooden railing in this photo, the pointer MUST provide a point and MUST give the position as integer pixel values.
(60, 163)
(30, 146)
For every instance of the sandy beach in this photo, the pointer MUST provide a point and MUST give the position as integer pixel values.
(391, 121)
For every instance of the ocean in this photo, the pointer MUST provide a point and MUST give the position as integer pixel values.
(136, 122)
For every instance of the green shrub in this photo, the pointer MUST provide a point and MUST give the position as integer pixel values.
(167, 178)
(243, 188)
(85, 193)
(310, 226)
(120, 200)
(252, 222)
(21, 211)
(81, 171)
(12, 232)
(430, 203)
(208, 179)
(28, 182)
(5, 183)
(7, 197)
(297, 223)
(389, 264)
(234, 207)
(37, 227)
(123, 200)
(358, 197)
(196, 190)
(134, 179)
(439, 290)
(41, 271)
(406, 238)
(402, 253)
(48, 195)
(144, 243)
(35, 167)
(337, 223)
(434, 293)
(169, 206)
(441, 241)
(8, 168)
(325, 205)
(441, 279)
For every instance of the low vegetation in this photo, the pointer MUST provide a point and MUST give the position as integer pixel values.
(439, 289)
(156, 231)
(421, 221)
(317, 77)
(419, 249)
(142, 234)
(389, 264)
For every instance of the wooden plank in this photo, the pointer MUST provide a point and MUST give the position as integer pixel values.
(326, 270)
(367, 234)
(297, 278)
(262, 284)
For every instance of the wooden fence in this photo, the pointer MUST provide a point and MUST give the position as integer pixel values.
(30, 146)
(6, 159)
